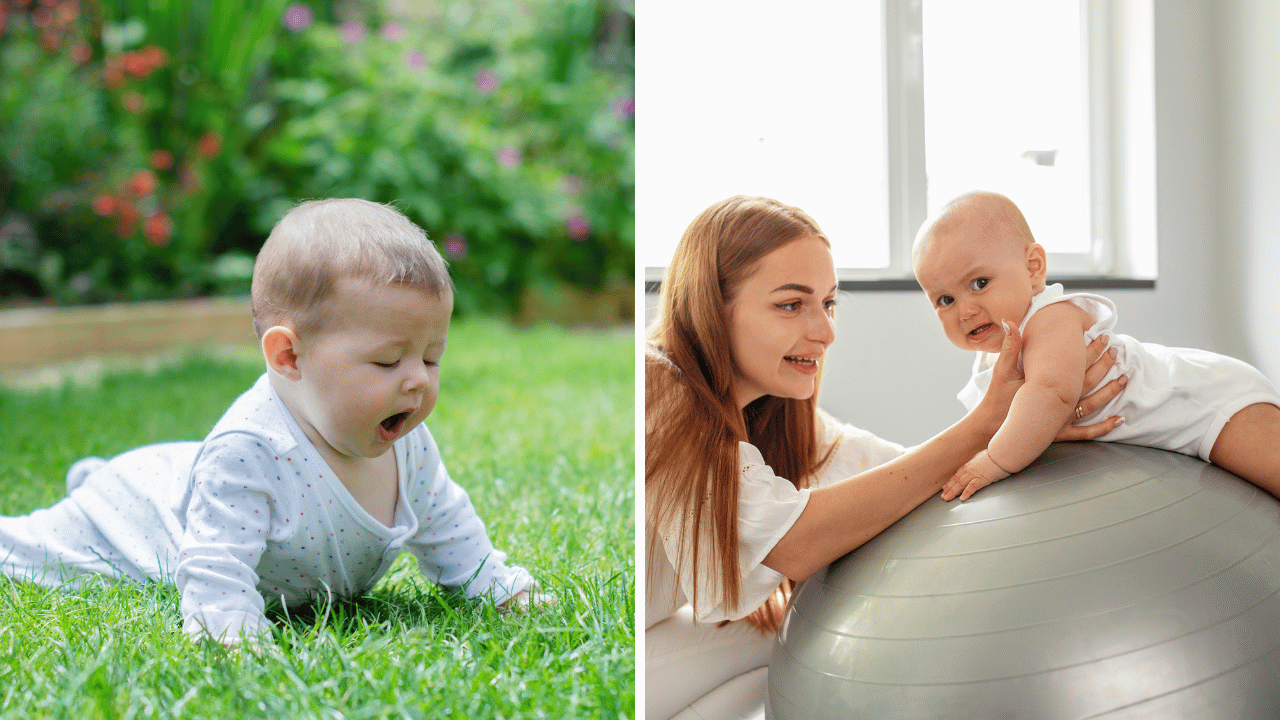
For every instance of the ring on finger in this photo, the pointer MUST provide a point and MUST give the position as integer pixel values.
(1079, 413)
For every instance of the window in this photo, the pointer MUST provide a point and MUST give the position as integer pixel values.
(746, 97)
(871, 115)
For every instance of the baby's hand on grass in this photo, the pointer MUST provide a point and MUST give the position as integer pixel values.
(976, 474)
(523, 600)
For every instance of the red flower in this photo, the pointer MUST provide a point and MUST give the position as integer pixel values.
(154, 56)
(158, 229)
(210, 145)
(135, 63)
(142, 183)
(104, 205)
(128, 223)
(133, 101)
(161, 159)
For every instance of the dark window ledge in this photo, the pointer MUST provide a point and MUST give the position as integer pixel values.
(910, 285)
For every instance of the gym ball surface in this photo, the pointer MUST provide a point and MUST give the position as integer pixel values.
(1103, 581)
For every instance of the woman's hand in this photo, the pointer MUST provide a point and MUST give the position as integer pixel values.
(1006, 379)
(1097, 397)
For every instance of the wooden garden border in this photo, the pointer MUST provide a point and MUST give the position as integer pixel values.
(31, 337)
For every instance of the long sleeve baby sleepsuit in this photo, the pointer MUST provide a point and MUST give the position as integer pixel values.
(251, 514)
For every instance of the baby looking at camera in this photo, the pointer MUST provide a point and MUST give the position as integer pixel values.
(982, 269)
(319, 475)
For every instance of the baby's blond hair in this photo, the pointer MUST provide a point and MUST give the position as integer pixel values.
(320, 241)
(986, 212)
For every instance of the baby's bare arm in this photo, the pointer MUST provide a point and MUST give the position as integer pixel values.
(1054, 361)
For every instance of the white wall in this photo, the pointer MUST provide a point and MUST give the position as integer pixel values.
(1249, 178)
(1217, 175)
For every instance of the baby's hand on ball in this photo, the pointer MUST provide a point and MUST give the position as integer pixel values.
(976, 474)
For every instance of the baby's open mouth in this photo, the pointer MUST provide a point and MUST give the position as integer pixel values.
(980, 329)
(394, 423)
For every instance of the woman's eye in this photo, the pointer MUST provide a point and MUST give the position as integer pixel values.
(790, 307)
(945, 300)
(829, 305)
(980, 283)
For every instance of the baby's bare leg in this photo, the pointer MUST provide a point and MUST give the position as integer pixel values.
(1249, 446)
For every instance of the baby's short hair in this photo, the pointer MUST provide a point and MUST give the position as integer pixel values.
(989, 211)
(320, 241)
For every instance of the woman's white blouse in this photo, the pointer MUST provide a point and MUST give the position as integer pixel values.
(767, 508)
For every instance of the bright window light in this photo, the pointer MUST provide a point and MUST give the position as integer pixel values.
(762, 98)
(1005, 99)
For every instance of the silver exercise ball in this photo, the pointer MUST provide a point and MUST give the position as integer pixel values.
(1104, 581)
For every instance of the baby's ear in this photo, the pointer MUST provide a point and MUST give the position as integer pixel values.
(280, 349)
(1037, 263)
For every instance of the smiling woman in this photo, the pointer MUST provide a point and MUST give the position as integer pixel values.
(748, 486)
(781, 321)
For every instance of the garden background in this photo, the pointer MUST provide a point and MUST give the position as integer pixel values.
(146, 150)
(149, 146)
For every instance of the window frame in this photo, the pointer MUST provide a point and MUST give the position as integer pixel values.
(1119, 67)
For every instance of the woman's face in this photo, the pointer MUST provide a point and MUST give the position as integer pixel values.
(780, 322)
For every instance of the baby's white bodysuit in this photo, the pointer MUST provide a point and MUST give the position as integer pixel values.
(1176, 399)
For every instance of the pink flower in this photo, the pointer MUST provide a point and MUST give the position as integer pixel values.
(624, 107)
(415, 59)
(392, 31)
(579, 228)
(486, 82)
(352, 32)
(455, 245)
(298, 16)
(509, 156)
(571, 184)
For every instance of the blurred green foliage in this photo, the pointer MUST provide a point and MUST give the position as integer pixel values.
(150, 145)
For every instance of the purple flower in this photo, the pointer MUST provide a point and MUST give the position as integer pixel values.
(624, 107)
(392, 31)
(486, 82)
(579, 228)
(509, 156)
(298, 16)
(352, 32)
(415, 59)
(455, 246)
(571, 184)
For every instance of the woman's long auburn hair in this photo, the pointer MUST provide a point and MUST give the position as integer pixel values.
(692, 421)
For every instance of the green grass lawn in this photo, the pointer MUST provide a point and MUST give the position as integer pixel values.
(537, 425)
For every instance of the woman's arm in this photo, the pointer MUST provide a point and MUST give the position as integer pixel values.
(842, 516)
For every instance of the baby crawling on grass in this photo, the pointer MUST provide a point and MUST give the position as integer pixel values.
(982, 271)
(315, 478)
